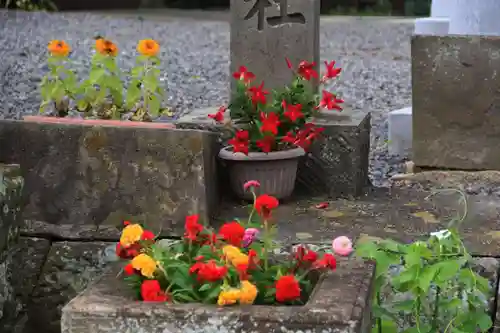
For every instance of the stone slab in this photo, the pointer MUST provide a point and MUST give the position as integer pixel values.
(69, 268)
(85, 180)
(400, 132)
(337, 163)
(262, 41)
(109, 307)
(456, 102)
(474, 17)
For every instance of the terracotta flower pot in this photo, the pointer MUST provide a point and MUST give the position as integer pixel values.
(276, 171)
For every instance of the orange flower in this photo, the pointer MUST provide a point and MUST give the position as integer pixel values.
(148, 47)
(59, 48)
(106, 47)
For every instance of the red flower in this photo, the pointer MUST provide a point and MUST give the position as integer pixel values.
(330, 101)
(307, 71)
(304, 255)
(328, 261)
(264, 204)
(151, 291)
(128, 252)
(240, 142)
(208, 272)
(232, 233)
(293, 112)
(147, 235)
(257, 94)
(192, 227)
(304, 137)
(242, 270)
(331, 71)
(287, 288)
(265, 144)
(270, 122)
(129, 270)
(219, 115)
(244, 75)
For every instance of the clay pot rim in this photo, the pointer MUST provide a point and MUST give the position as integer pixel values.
(226, 154)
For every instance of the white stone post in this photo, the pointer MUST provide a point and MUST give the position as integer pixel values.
(475, 17)
(400, 121)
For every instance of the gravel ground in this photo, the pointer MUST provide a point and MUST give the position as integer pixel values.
(374, 54)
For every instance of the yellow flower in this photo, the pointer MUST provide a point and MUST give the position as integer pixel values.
(131, 234)
(241, 259)
(148, 47)
(248, 292)
(106, 47)
(145, 264)
(229, 297)
(231, 252)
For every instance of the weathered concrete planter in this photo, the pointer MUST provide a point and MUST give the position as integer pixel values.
(84, 177)
(339, 304)
(276, 171)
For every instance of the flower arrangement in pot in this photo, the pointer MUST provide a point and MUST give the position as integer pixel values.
(103, 94)
(272, 130)
(234, 265)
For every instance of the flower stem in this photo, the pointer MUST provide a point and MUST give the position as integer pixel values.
(266, 245)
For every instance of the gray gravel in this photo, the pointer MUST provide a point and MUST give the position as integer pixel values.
(374, 53)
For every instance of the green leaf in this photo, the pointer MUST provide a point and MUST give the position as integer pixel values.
(447, 270)
(96, 75)
(133, 94)
(205, 287)
(82, 105)
(484, 322)
(212, 296)
(426, 277)
(150, 83)
(137, 72)
(407, 305)
(389, 326)
(154, 105)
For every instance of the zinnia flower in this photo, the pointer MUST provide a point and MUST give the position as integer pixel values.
(232, 233)
(251, 184)
(151, 291)
(59, 48)
(327, 261)
(131, 234)
(209, 271)
(148, 47)
(231, 252)
(264, 204)
(106, 47)
(287, 289)
(342, 246)
(250, 236)
(229, 297)
(248, 292)
(145, 264)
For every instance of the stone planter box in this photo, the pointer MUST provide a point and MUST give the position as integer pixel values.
(456, 102)
(83, 177)
(339, 303)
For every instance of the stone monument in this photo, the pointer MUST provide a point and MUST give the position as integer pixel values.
(264, 32)
(475, 17)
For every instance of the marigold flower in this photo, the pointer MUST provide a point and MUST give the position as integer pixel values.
(287, 289)
(248, 292)
(264, 204)
(229, 297)
(145, 264)
(238, 260)
(151, 291)
(131, 234)
(148, 47)
(232, 232)
(59, 48)
(231, 252)
(106, 47)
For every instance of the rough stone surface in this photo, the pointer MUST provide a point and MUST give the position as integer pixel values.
(83, 181)
(69, 268)
(456, 102)
(264, 32)
(11, 186)
(337, 163)
(108, 307)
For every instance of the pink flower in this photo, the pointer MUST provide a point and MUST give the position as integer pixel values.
(342, 246)
(250, 235)
(251, 184)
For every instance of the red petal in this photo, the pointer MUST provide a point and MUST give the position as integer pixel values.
(322, 205)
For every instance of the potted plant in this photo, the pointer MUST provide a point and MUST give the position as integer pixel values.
(103, 95)
(272, 130)
(235, 265)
